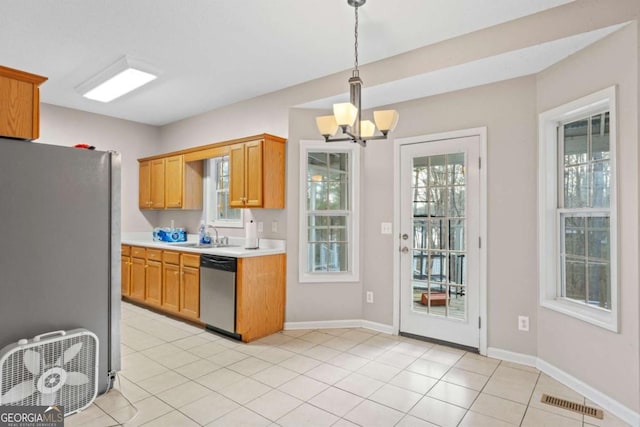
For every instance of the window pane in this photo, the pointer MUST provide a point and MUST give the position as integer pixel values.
(600, 137)
(438, 200)
(456, 201)
(420, 265)
(338, 195)
(456, 235)
(317, 196)
(576, 186)
(437, 170)
(575, 279)
(437, 234)
(574, 243)
(599, 286)
(457, 272)
(455, 168)
(598, 230)
(576, 142)
(420, 234)
(601, 190)
(438, 266)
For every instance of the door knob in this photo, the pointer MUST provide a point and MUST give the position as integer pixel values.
(404, 250)
(405, 236)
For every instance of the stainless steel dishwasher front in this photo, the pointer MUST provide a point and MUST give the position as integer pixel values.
(218, 294)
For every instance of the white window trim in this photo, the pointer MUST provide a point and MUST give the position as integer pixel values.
(210, 192)
(549, 272)
(354, 236)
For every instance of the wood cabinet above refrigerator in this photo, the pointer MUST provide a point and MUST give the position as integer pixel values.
(19, 104)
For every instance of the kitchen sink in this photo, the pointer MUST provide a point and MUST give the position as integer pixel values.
(198, 245)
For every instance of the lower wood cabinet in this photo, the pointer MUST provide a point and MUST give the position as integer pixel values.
(171, 286)
(125, 278)
(153, 284)
(138, 278)
(166, 280)
(170, 281)
(261, 295)
(190, 285)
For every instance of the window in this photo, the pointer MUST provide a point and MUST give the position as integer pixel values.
(578, 209)
(328, 230)
(217, 207)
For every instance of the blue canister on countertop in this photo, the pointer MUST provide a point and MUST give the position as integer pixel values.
(173, 235)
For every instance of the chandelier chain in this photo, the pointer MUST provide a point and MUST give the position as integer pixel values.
(356, 72)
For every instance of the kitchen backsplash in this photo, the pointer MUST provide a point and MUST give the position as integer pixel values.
(191, 221)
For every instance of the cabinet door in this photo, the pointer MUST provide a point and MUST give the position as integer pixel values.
(138, 278)
(237, 183)
(144, 185)
(253, 174)
(125, 279)
(190, 292)
(171, 287)
(153, 294)
(157, 184)
(174, 180)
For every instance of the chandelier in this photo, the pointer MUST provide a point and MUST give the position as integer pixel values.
(347, 115)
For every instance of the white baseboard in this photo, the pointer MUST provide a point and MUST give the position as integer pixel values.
(375, 326)
(331, 324)
(510, 356)
(596, 396)
(324, 324)
(611, 405)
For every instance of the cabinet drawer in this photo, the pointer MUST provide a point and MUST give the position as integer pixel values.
(191, 260)
(138, 252)
(125, 250)
(171, 257)
(154, 254)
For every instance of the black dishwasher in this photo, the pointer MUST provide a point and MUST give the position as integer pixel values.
(218, 294)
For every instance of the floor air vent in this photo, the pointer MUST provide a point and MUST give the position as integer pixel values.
(572, 406)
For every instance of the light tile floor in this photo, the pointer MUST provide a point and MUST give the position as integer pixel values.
(178, 375)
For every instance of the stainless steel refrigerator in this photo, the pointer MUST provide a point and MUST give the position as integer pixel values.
(60, 245)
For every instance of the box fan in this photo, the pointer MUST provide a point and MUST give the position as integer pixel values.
(56, 368)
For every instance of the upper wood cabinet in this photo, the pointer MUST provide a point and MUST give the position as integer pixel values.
(256, 168)
(170, 183)
(19, 104)
(257, 173)
(183, 183)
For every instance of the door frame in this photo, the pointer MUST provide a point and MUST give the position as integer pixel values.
(481, 133)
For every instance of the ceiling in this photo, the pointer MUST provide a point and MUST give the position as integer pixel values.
(218, 52)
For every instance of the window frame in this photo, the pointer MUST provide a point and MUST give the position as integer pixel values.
(210, 189)
(550, 213)
(353, 273)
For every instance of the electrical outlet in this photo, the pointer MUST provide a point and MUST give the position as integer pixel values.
(523, 323)
(260, 227)
(274, 226)
(386, 228)
(370, 297)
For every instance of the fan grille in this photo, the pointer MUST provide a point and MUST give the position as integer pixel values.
(13, 370)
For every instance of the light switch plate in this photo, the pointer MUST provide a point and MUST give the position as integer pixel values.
(386, 228)
(260, 227)
(274, 226)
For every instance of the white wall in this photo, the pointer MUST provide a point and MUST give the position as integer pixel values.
(608, 361)
(64, 126)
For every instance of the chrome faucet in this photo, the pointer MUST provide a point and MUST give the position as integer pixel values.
(217, 240)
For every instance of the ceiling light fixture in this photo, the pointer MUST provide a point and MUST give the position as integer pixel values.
(347, 115)
(120, 78)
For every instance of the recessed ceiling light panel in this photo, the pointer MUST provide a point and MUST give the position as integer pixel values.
(120, 78)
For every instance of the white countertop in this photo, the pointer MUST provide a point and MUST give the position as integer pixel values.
(237, 250)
